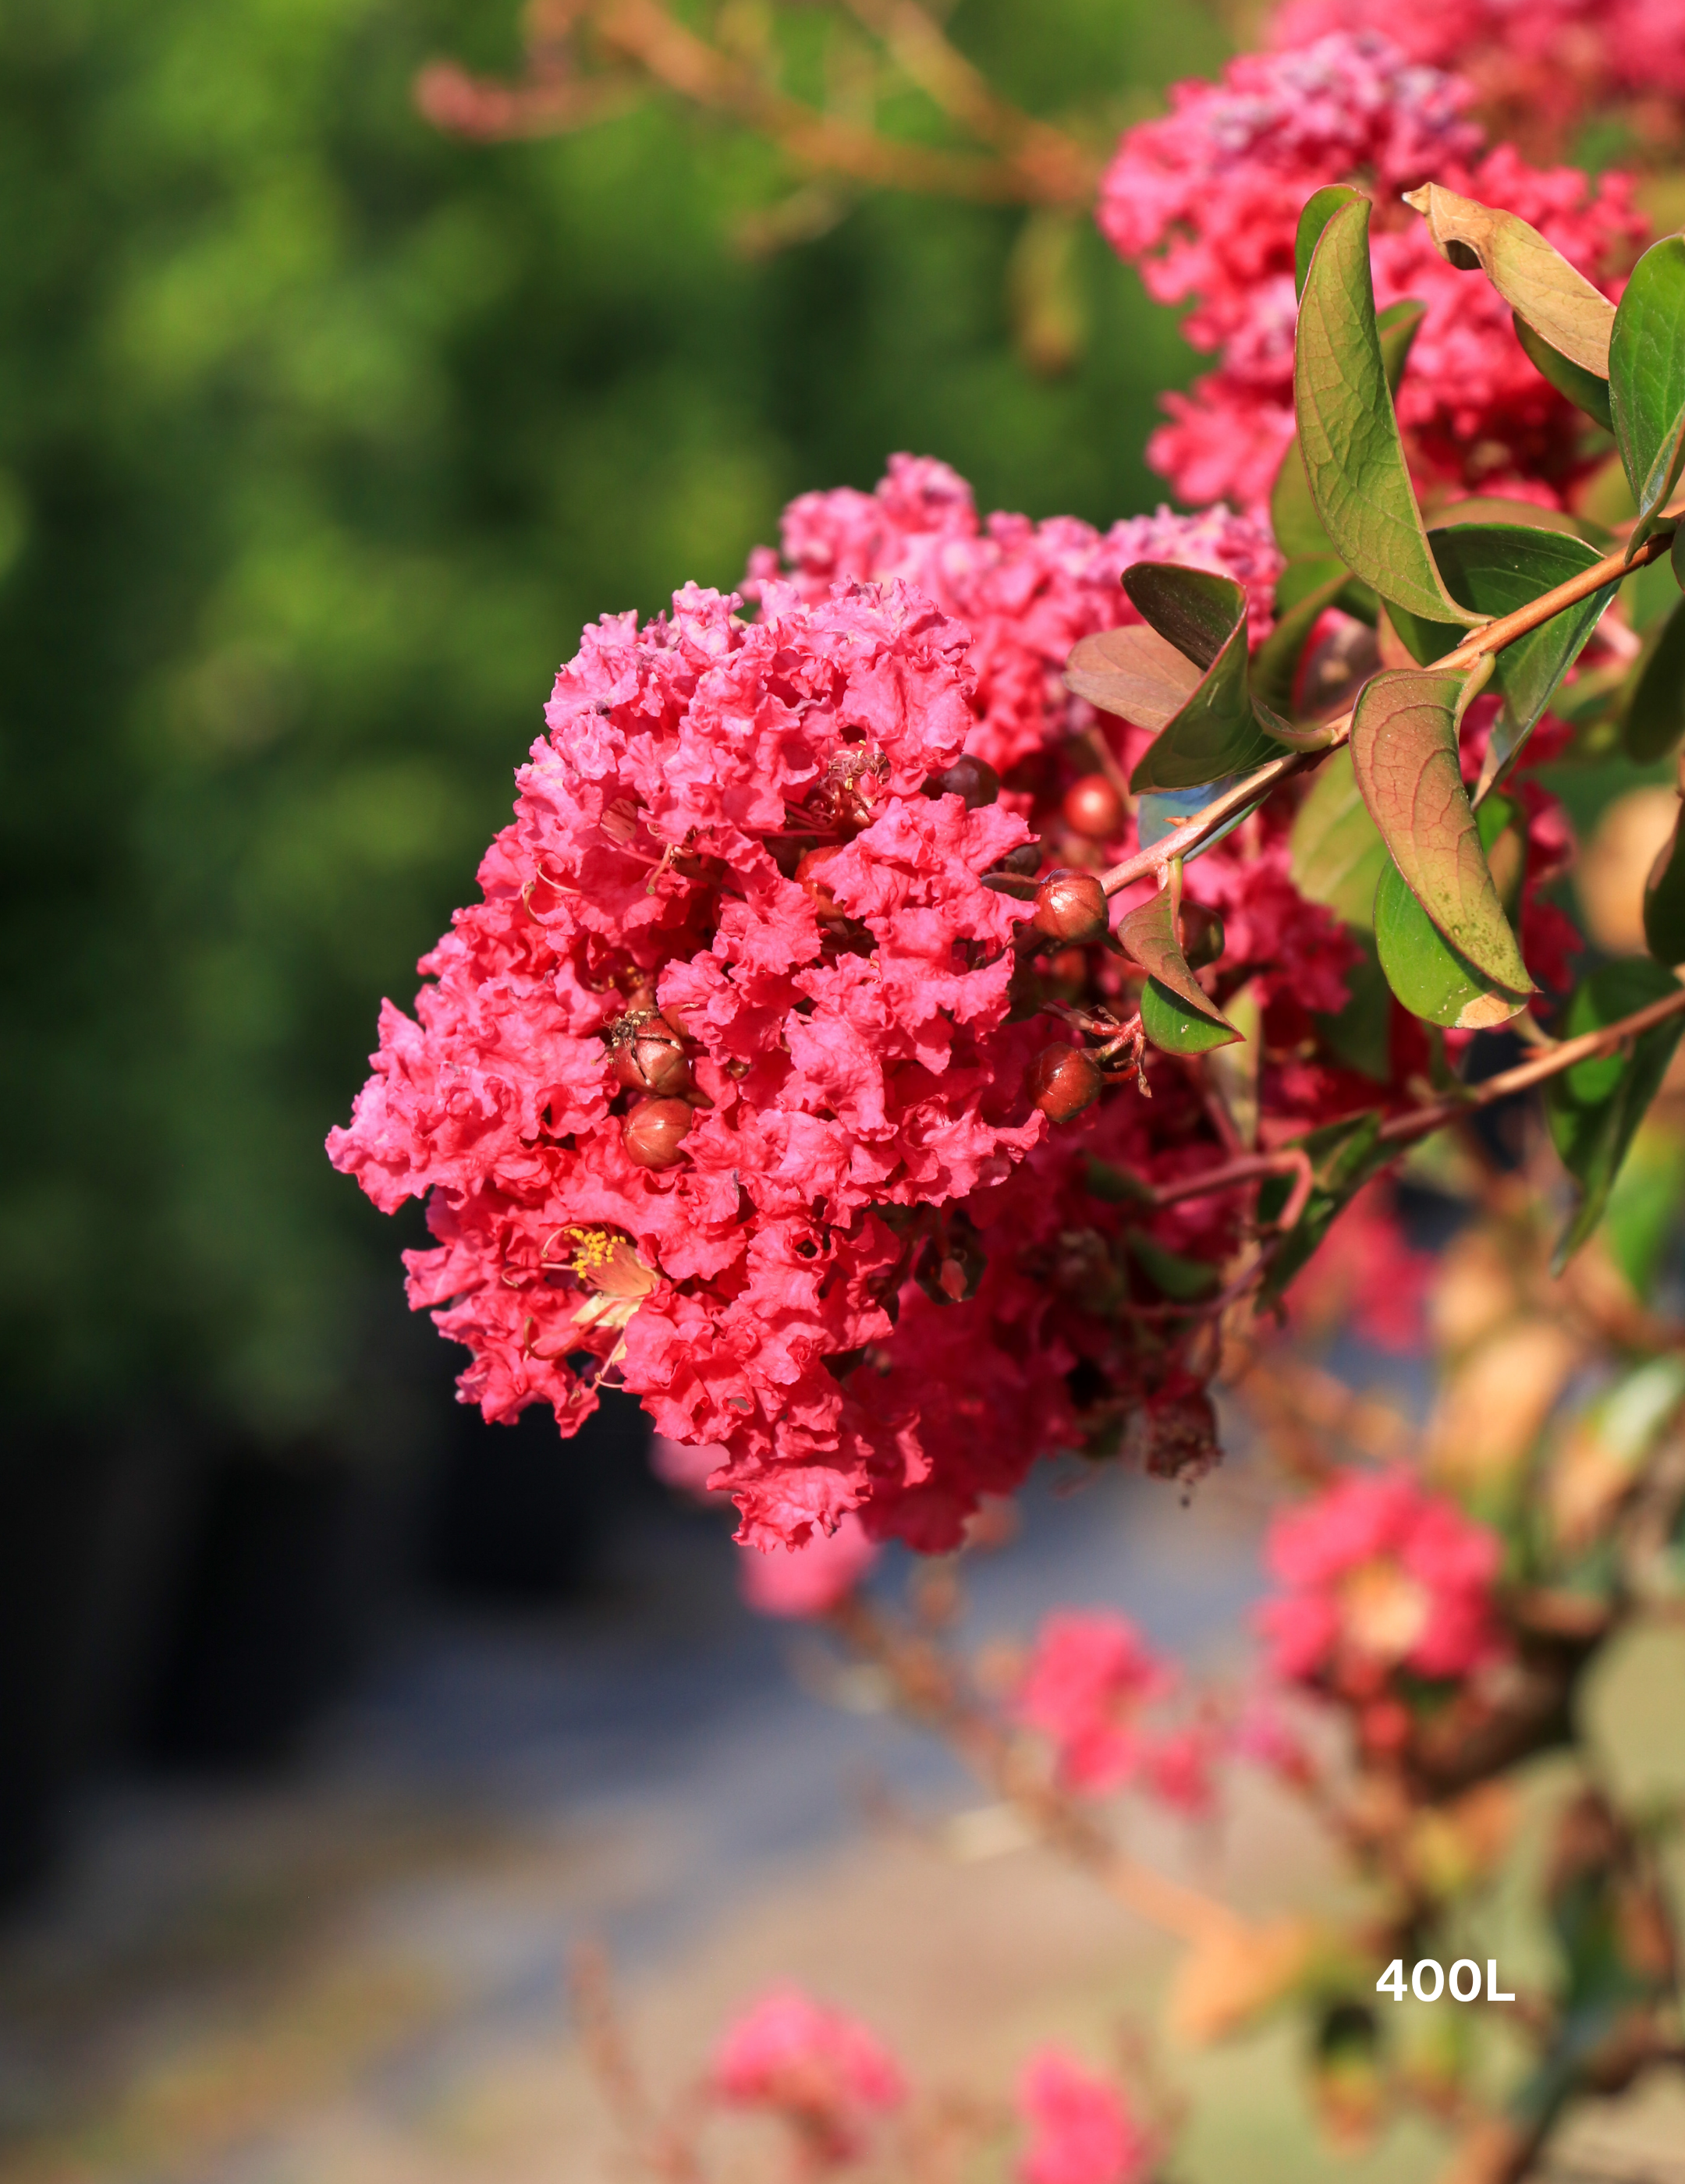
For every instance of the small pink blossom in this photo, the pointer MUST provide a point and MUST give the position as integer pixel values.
(808, 1581)
(824, 2073)
(1380, 1574)
(1090, 1674)
(1079, 2125)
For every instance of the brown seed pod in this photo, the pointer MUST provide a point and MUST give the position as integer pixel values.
(1023, 863)
(973, 779)
(1201, 935)
(655, 1130)
(1071, 906)
(653, 1061)
(1093, 807)
(1063, 1080)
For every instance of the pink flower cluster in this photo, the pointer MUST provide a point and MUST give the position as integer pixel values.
(1026, 591)
(1080, 2129)
(1541, 68)
(1380, 1575)
(1087, 1688)
(821, 2071)
(720, 1089)
(1206, 202)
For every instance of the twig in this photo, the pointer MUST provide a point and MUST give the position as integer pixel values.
(1490, 638)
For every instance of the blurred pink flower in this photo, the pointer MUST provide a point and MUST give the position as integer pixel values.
(821, 2071)
(1080, 2130)
(1087, 1679)
(809, 1579)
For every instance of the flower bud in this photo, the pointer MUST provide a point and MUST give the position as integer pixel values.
(1093, 807)
(1063, 1080)
(1071, 906)
(655, 1130)
(973, 779)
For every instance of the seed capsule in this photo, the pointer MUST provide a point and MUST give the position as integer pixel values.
(1063, 1080)
(1023, 863)
(1093, 807)
(973, 779)
(1071, 906)
(655, 1132)
(653, 1061)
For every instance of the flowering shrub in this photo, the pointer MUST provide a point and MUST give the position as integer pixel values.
(930, 1010)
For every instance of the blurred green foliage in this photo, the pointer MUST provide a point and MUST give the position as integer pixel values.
(320, 438)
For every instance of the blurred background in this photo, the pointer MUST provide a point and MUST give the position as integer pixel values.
(320, 436)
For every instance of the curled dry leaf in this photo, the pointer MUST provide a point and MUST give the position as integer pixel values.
(1531, 275)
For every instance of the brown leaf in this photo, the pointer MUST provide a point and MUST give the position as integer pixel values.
(1149, 935)
(1132, 672)
(1404, 754)
(1235, 1972)
(1532, 277)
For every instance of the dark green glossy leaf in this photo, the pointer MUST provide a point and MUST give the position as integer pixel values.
(1343, 1156)
(1655, 711)
(1404, 754)
(1149, 935)
(1182, 1280)
(1497, 567)
(1583, 388)
(1594, 1108)
(1215, 732)
(1348, 435)
(1647, 379)
(1664, 902)
(1338, 853)
(1318, 211)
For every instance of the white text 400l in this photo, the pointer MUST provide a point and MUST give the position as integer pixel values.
(1429, 1980)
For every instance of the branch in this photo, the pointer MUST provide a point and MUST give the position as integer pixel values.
(1490, 638)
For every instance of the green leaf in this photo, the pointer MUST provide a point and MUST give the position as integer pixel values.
(1594, 1108)
(1361, 1034)
(1531, 275)
(1643, 1216)
(1344, 1156)
(1158, 816)
(1275, 664)
(1397, 327)
(1404, 756)
(1214, 733)
(1584, 389)
(1655, 711)
(1150, 937)
(1318, 211)
(1497, 567)
(1337, 849)
(1176, 1028)
(1665, 903)
(1132, 672)
(1647, 379)
(1182, 1280)
(1348, 435)
(1425, 971)
(1117, 1185)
